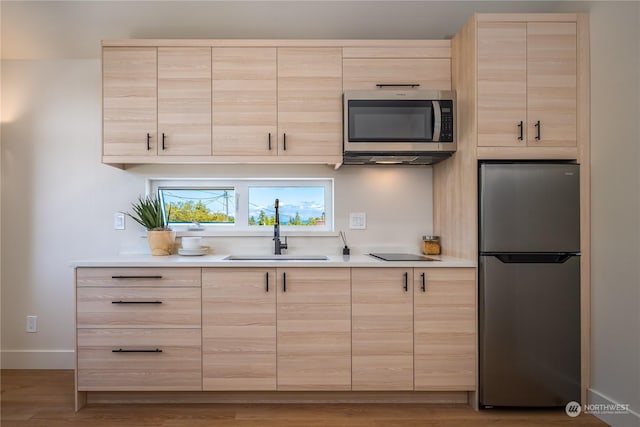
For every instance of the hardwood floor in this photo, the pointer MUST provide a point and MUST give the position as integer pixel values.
(45, 399)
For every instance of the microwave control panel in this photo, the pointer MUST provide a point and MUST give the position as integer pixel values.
(446, 127)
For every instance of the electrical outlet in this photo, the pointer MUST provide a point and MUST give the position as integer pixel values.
(32, 323)
(118, 221)
(357, 221)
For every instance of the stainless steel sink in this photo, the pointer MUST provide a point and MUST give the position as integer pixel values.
(277, 258)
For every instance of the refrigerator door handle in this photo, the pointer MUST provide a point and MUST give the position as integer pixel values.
(552, 258)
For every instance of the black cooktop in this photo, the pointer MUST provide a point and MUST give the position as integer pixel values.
(402, 257)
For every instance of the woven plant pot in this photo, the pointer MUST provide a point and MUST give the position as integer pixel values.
(161, 242)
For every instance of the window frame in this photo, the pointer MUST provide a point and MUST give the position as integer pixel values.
(240, 187)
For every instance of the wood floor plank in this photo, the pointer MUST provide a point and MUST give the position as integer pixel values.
(45, 399)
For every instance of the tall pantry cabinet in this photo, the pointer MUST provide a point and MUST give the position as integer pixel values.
(522, 84)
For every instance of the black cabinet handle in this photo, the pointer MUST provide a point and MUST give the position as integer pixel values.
(284, 141)
(398, 84)
(136, 277)
(269, 141)
(148, 141)
(520, 126)
(537, 125)
(163, 141)
(266, 280)
(284, 282)
(424, 285)
(406, 281)
(136, 302)
(122, 350)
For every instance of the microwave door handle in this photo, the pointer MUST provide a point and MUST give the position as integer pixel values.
(437, 120)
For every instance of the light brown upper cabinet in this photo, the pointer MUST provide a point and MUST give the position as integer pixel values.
(445, 329)
(428, 68)
(129, 97)
(184, 101)
(156, 101)
(245, 111)
(271, 101)
(382, 329)
(527, 84)
(309, 101)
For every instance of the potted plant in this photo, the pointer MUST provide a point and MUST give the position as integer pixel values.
(147, 212)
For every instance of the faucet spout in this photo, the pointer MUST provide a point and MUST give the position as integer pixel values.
(278, 245)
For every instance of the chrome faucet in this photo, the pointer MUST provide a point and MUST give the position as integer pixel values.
(278, 245)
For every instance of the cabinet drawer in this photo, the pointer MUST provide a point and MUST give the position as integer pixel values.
(139, 359)
(138, 307)
(139, 276)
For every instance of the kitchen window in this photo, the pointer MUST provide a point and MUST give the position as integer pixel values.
(246, 206)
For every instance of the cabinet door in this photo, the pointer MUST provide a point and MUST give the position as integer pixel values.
(382, 328)
(445, 329)
(244, 101)
(184, 101)
(552, 83)
(310, 101)
(314, 329)
(502, 84)
(366, 73)
(129, 101)
(239, 329)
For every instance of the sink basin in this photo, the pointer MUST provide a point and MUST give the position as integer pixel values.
(277, 258)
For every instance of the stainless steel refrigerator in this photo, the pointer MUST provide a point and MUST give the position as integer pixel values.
(529, 278)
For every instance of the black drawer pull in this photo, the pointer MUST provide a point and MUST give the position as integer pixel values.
(284, 282)
(136, 302)
(122, 350)
(406, 282)
(266, 277)
(136, 277)
(269, 141)
(424, 285)
(148, 141)
(398, 84)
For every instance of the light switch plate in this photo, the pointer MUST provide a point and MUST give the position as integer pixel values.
(118, 221)
(357, 221)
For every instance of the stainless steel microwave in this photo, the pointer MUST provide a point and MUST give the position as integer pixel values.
(411, 126)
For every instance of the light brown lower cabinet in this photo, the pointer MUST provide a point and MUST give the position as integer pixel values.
(312, 350)
(382, 328)
(138, 329)
(445, 329)
(238, 329)
(414, 329)
(314, 329)
(139, 359)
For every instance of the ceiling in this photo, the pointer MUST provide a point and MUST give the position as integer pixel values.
(73, 29)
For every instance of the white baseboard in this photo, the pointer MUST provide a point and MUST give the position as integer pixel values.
(628, 418)
(38, 359)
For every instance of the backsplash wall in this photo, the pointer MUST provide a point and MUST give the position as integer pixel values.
(397, 201)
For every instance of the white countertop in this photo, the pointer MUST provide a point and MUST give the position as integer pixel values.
(218, 260)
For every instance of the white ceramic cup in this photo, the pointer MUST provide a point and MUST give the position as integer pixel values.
(190, 242)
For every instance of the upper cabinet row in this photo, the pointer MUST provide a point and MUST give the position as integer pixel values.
(266, 102)
(232, 102)
(271, 104)
(527, 84)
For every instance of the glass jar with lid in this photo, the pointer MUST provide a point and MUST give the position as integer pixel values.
(431, 245)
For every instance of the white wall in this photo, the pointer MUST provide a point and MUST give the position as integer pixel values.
(615, 207)
(58, 200)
